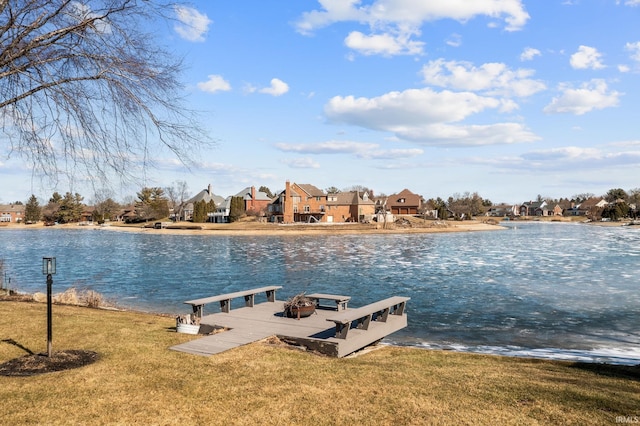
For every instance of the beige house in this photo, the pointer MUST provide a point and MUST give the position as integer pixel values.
(350, 206)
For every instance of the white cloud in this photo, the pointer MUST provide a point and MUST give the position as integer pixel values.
(634, 48)
(471, 135)
(589, 96)
(193, 25)
(632, 2)
(573, 158)
(383, 44)
(277, 88)
(301, 163)
(455, 40)
(586, 57)
(529, 53)
(624, 68)
(215, 83)
(383, 13)
(358, 149)
(425, 116)
(410, 107)
(82, 12)
(492, 78)
(581, 158)
(394, 23)
(631, 143)
(329, 147)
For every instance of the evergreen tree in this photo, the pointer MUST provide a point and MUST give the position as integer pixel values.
(32, 210)
(211, 208)
(199, 211)
(266, 191)
(55, 198)
(152, 204)
(236, 210)
(70, 208)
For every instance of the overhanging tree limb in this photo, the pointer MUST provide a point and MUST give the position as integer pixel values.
(84, 88)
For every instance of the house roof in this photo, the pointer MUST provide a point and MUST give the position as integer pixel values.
(225, 204)
(534, 204)
(246, 195)
(205, 195)
(410, 199)
(311, 190)
(4, 208)
(351, 198)
(590, 203)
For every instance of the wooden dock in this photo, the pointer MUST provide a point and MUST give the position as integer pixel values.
(317, 332)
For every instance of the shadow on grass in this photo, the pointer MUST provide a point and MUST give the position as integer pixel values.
(631, 372)
(17, 345)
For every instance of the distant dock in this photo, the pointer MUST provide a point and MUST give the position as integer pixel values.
(334, 330)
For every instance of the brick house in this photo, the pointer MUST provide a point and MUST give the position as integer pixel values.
(12, 213)
(404, 202)
(299, 203)
(254, 201)
(351, 206)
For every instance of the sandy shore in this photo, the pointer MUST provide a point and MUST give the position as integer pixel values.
(254, 228)
(417, 226)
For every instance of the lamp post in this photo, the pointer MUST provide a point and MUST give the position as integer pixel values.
(49, 269)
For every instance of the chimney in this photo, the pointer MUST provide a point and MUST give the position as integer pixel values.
(287, 208)
(209, 189)
(253, 197)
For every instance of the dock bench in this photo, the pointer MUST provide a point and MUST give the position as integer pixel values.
(225, 299)
(341, 301)
(362, 317)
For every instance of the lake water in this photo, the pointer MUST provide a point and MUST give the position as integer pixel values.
(549, 290)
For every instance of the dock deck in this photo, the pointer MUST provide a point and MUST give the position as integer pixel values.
(251, 324)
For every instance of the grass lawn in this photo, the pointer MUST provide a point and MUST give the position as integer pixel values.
(138, 380)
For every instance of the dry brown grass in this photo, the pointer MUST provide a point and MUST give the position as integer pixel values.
(138, 380)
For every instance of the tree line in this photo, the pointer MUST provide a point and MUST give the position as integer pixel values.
(153, 203)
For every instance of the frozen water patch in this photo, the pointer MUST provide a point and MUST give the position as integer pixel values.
(617, 356)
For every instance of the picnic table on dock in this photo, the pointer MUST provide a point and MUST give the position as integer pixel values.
(334, 331)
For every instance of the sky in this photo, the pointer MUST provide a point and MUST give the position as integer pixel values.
(507, 98)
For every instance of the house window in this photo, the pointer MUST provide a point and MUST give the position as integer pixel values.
(402, 200)
(307, 209)
(318, 198)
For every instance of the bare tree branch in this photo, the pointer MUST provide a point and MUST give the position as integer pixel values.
(86, 90)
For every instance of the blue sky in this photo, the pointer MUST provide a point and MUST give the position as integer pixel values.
(506, 98)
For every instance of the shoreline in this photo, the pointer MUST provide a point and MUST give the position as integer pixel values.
(411, 225)
(611, 356)
(417, 226)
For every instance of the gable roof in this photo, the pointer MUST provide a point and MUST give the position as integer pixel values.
(311, 190)
(205, 195)
(351, 198)
(592, 202)
(534, 204)
(5, 208)
(246, 195)
(410, 199)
